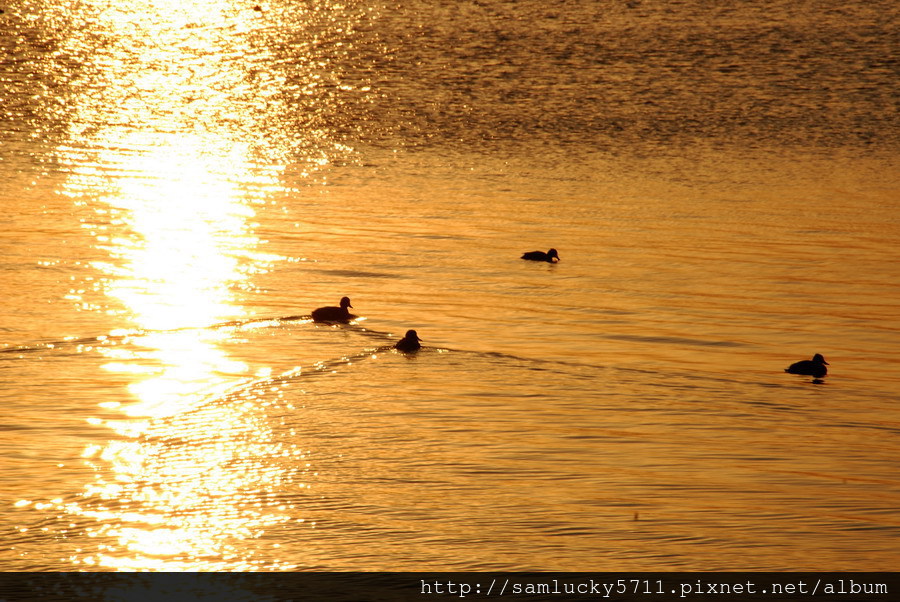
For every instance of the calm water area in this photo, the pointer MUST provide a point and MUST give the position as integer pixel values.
(182, 182)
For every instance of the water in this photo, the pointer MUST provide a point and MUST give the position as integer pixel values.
(182, 183)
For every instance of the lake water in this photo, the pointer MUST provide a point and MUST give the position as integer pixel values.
(183, 182)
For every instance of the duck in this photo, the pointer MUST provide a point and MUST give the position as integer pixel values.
(334, 314)
(408, 343)
(541, 256)
(814, 367)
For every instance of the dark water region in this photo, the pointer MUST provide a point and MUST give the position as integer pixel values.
(182, 184)
(596, 74)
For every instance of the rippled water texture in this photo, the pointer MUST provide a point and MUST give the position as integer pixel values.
(183, 182)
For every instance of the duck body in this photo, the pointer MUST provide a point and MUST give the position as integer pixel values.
(334, 314)
(814, 367)
(409, 343)
(549, 256)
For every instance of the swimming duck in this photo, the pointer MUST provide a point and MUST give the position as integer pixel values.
(814, 367)
(541, 256)
(334, 314)
(408, 343)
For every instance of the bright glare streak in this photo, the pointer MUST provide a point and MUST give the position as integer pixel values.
(179, 485)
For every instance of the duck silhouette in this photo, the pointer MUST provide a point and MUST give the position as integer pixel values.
(334, 314)
(408, 343)
(814, 367)
(541, 256)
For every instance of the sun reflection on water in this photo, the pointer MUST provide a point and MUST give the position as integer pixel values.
(181, 485)
(171, 187)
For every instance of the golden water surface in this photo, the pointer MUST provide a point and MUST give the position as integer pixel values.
(182, 182)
